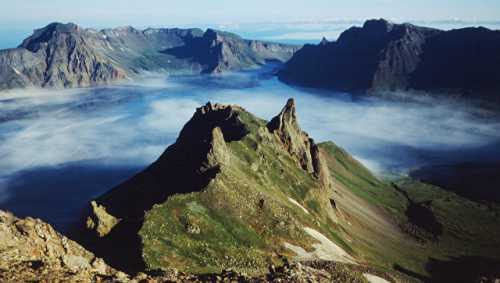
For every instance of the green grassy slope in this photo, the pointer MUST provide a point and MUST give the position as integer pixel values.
(233, 193)
(244, 215)
(378, 211)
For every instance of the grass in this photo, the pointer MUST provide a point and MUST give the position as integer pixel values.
(243, 216)
(359, 180)
(469, 228)
(241, 219)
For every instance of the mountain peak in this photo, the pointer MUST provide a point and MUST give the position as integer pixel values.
(287, 117)
(297, 142)
(378, 25)
(227, 167)
(61, 27)
(46, 33)
(210, 116)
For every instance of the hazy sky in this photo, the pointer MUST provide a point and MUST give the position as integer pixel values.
(101, 13)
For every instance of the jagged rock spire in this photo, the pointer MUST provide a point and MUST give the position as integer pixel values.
(298, 143)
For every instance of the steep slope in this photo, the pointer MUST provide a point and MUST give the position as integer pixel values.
(66, 55)
(231, 182)
(217, 51)
(235, 191)
(382, 56)
(393, 225)
(379, 55)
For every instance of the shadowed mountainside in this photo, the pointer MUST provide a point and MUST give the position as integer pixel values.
(382, 56)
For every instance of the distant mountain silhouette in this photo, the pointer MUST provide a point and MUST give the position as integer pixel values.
(382, 56)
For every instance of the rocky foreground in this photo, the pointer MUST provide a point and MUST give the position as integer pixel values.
(32, 251)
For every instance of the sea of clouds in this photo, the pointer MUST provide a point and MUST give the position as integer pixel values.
(130, 125)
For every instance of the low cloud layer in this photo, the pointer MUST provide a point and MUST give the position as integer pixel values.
(134, 123)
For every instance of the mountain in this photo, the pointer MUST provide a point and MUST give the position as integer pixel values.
(243, 199)
(227, 169)
(237, 192)
(66, 55)
(382, 56)
(234, 191)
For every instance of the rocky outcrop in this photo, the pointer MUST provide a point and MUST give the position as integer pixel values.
(100, 220)
(382, 56)
(227, 170)
(297, 142)
(31, 250)
(66, 55)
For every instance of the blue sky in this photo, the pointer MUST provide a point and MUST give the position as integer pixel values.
(99, 13)
(290, 21)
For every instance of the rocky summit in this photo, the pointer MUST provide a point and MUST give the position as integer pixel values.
(238, 198)
(66, 55)
(235, 198)
(383, 56)
(230, 182)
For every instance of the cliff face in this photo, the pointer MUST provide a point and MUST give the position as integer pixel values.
(465, 60)
(66, 55)
(231, 181)
(381, 56)
(217, 51)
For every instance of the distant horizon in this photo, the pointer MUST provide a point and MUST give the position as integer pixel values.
(295, 32)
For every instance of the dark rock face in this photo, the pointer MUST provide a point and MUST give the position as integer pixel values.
(216, 52)
(466, 60)
(381, 56)
(66, 55)
(186, 166)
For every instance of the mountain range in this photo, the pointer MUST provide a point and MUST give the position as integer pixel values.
(378, 57)
(383, 56)
(66, 55)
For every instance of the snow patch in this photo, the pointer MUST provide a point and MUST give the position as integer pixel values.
(16, 71)
(298, 204)
(374, 279)
(324, 250)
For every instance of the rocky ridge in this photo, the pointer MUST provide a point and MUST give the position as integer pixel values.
(195, 191)
(66, 55)
(382, 56)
